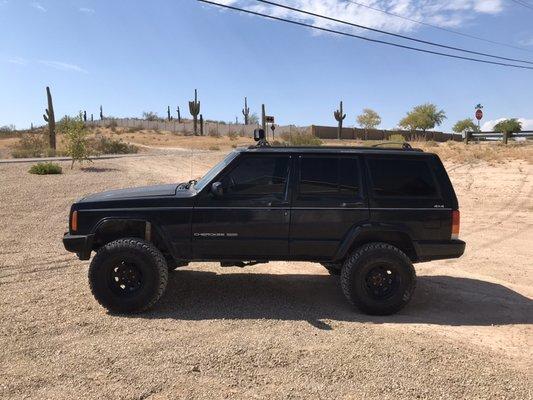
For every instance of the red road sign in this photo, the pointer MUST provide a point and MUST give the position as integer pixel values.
(479, 114)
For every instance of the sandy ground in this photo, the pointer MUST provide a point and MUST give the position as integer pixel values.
(281, 330)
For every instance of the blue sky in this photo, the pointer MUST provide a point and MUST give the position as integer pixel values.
(139, 56)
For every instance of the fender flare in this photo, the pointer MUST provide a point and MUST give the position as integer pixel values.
(373, 232)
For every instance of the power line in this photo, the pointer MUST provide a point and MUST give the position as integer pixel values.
(523, 4)
(392, 34)
(364, 38)
(416, 21)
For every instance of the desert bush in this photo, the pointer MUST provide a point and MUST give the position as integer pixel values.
(46, 168)
(150, 116)
(104, 145)
(396, 137)
(112, 125)
(301, 140)
(213, 132)
(134, 129)
(75, 133)
(7, 129)
(214, 148)
(233, 135)
(31, 145)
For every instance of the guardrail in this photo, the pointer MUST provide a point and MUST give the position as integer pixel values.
(493, 135)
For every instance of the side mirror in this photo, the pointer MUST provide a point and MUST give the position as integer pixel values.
(217, 190)
(259, 135)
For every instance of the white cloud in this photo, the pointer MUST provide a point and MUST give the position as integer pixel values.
(18, 61)
(526, 42)
(527, 124)
(446, 13)
(38, 6)
(62, 66)
(86, 10)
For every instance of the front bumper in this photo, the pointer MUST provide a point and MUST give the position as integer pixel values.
(428, 251)
(82, 245)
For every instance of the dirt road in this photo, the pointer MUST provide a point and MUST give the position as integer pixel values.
(281, 330)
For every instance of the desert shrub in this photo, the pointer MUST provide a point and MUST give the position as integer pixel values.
(396, 137)
(104, 145)
(31, 145)
(112, 125)
(213, 132)
(134, 129)
(214, 148)
(75, 133)
(150, 116)
(301, 140)
(233, 135)
(7, 129)
(432, 143)
(46, 168)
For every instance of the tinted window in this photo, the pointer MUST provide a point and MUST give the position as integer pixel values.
(401, 177)
(258, 176)
(329, 176)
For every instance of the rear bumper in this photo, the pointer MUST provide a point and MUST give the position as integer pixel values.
(82, 245)
(428, 251)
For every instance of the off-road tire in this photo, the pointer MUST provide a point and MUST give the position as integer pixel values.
(361, 262)
(148, 260)
(333, 269)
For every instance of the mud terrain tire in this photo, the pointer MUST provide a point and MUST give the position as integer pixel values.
(378, 279)
(128, 275)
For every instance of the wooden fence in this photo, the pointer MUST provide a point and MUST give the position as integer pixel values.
(494, 136)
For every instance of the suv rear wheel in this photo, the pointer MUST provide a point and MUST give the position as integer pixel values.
(128, 275)
(378, 278)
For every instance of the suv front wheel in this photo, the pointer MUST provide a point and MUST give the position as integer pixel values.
(378, 278)
(128, 275)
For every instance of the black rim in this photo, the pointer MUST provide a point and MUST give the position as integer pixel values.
(382, 282)
(125, 278)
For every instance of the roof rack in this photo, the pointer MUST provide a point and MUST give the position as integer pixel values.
(405, 145)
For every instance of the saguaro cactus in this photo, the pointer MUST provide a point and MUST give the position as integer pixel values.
(50, 118)
(179, 114)
(169, 117)
(92, 118)
(194, 109)
(339, 116)
(246, 111)
(85, 116)
(201, 125)
(101, 113)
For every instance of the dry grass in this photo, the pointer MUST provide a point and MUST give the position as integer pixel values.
(456, 152)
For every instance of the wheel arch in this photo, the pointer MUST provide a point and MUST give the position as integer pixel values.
(113, 228)
(399, 237)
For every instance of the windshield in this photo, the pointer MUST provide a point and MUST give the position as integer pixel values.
(215, 171)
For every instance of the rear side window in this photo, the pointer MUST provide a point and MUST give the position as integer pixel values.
(329, 176)
(396, 177)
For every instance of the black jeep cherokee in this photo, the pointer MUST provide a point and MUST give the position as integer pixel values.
(366, 214)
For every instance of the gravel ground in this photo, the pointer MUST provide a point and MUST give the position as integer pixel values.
(281, 330)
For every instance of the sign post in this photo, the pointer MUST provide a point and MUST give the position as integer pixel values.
(479, 115)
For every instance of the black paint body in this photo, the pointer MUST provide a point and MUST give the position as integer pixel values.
(196, 224)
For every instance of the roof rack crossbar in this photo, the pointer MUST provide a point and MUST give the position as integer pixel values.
(405, 145)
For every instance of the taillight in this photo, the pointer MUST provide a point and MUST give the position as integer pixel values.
(74, 221)
(456, 222)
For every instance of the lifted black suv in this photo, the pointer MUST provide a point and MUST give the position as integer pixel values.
(366, 214)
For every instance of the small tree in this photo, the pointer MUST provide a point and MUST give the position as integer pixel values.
(465, 125)
(423, 117)
(507, 127)
(369, 119)
(75, 133)
(150, 116)
(253, 119)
